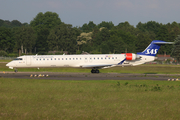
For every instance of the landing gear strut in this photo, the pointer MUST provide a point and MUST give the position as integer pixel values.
(94, 71)
(15, 70)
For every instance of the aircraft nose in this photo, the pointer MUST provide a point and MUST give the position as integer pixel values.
(10, 65)
(7, 65)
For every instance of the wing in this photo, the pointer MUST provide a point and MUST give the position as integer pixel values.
(103, 65)
(97, 66)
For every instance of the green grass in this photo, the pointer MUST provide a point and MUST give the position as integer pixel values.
(145, 69)
(110, 99)
(5, 61)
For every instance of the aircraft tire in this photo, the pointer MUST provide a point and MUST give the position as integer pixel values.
(97, 71)
(94, 71)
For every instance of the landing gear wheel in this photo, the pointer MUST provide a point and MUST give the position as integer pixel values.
(94, 71)
(97, 71)
(15, 70)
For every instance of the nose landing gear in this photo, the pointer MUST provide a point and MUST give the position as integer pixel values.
(15, 70)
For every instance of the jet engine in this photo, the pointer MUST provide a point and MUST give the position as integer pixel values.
(132, 56)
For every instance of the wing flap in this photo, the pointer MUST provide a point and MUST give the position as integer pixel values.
(96, 66)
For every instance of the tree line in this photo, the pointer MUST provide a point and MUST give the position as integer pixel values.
(46, 32)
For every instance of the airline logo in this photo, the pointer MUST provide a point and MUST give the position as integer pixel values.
(151, 51)
(108, 56)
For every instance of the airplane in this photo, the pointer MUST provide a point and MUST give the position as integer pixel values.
(91, 61)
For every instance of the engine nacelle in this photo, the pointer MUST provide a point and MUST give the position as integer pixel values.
(132, 56)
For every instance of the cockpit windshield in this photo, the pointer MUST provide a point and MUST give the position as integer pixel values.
(18, 59)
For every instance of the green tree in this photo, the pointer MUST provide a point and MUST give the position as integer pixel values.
(176, 48)
(143, 40)
(6, 41)
(91, 25)
(116, 44)
(85, 28)
(25, 38)
(163, 34)
(127, 28)
(173, 29)
(126, 39)
(86, 47)
(149, 26)
(88, 27)
(42, 24)
(63, 37)
(107, 25)
(47, 20)
(1, 22)
(101, 36)
(41, 46)
(16, 23)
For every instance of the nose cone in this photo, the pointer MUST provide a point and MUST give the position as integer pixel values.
(10, 65)
(7, 64)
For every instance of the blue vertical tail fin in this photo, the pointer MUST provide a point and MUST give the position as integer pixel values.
(153, 48)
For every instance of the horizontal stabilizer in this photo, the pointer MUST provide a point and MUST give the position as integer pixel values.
(161, 43)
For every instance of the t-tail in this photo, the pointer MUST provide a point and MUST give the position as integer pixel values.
(153, 48)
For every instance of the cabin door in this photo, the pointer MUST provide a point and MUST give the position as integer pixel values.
(28, 60)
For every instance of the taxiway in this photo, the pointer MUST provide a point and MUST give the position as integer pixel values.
(87, 76)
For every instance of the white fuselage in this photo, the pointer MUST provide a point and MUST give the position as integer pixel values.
(66, 60)
(83, 61)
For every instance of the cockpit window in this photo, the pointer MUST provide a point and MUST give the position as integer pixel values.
(18, 59)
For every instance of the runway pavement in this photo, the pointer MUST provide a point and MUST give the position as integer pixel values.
(87, 76)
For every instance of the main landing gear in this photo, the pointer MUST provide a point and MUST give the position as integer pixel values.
(94, 71)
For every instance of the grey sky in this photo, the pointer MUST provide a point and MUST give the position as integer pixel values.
(78, 12)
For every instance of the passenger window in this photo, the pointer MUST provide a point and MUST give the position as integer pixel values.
(112, 57)
(101, 58)
(43, 59)
(54, 58)
(58, 58)
(109, 57)
(69, 58)
(62, 58)
(76, 58)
